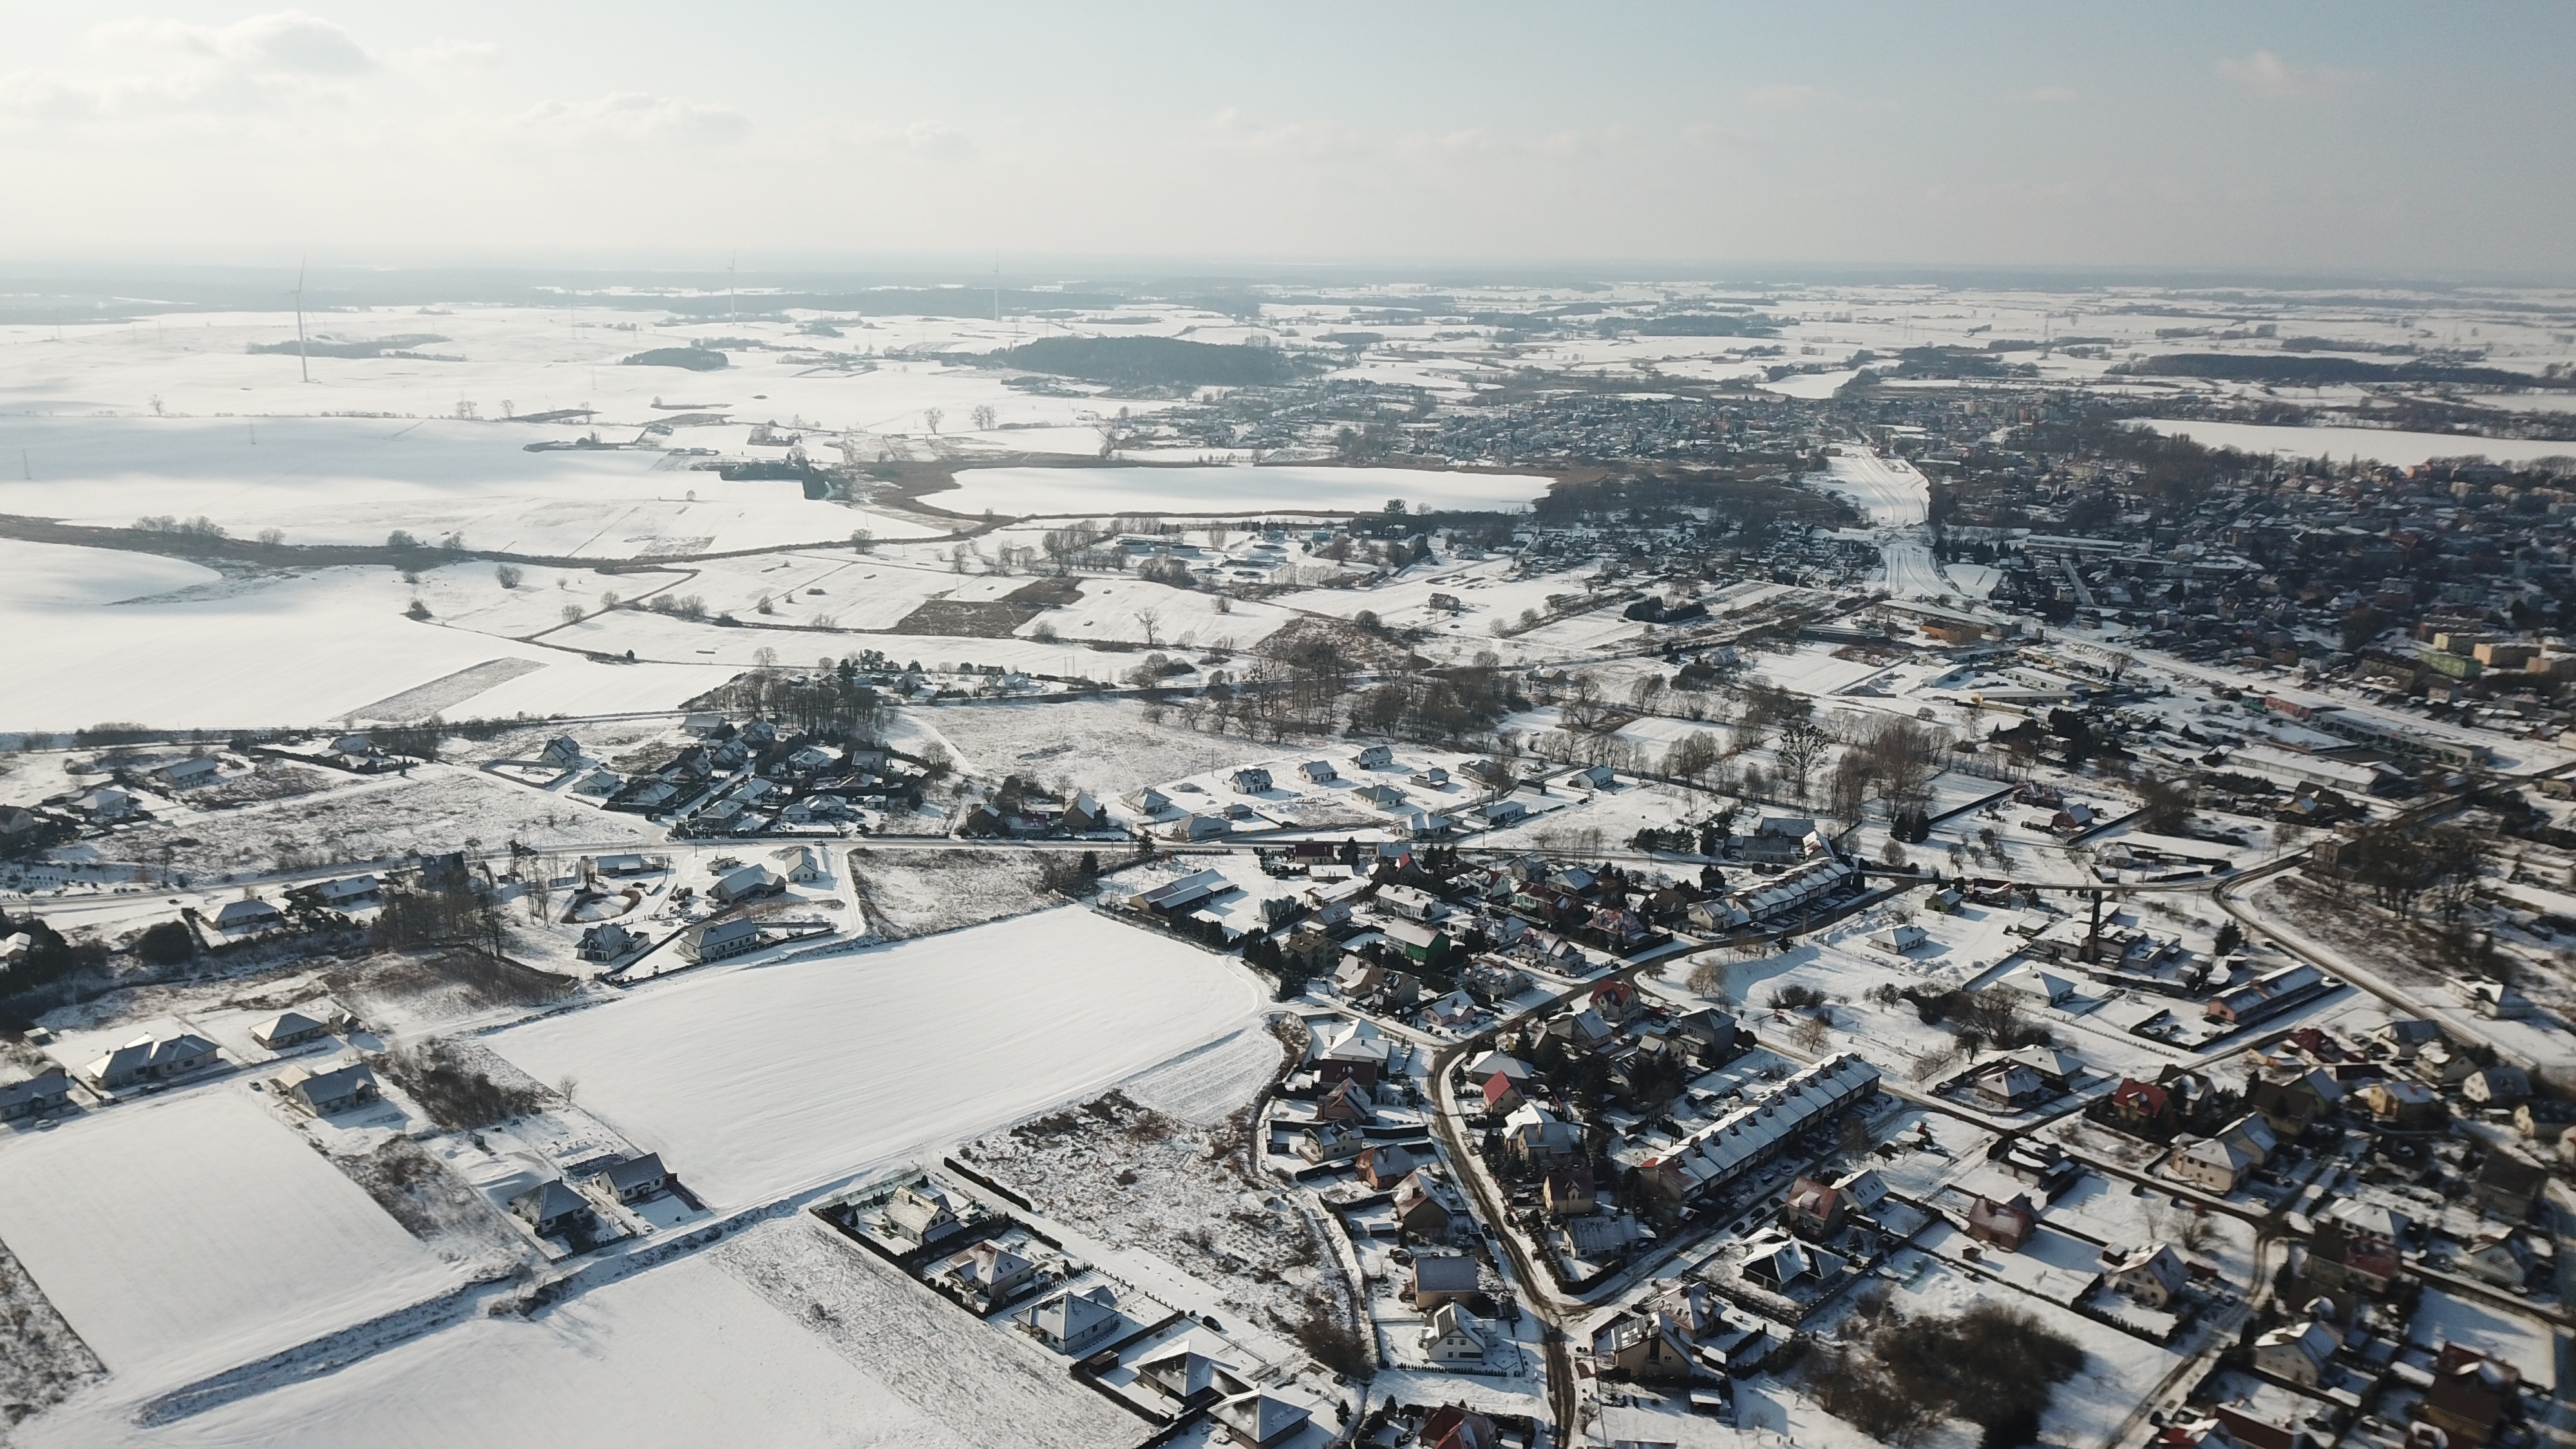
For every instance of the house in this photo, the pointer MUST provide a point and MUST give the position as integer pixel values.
(1318, 772)
(1186, 1373)
(1347, 1102)
(2058, 1069)
(2406, 1036)
(1441, 1279)
(552, 1209)
(1425, 945)
(988, 1273)
(1148, 801)
(720, 939)
(1351, 1050)
(2404, 1105)
(625, 865)
(608, 941)
(2508, 1186)
(190, 774)
(1330, 1142)
(2152, 1275)
(106, 803)
(1897, 940)
(287, 1029)
(1172, 898)
(2471, 1395)
(2007, 1225)
(2298, 1352)
(248, 914)
(1426, 1204)
(1431, 778)
(1251, 781)
(1070, 1323)
(328, 1093)
(150, 1059)
(2496, 1086)
(2502, 1259)
(1084, 815)
(2253, 1136)
(2046, 988)
(921, 1213)
(1540, 1139)
(2343, 1256)
(36, 1095)
(634, 1179)
(1383, 1165)
(1374, 757)
(1495, 814)
(1263, 1418)
(1593, 777)
(2009, 1085)
(2544, 1119)
(1568, 1192)
(1644, 1348)
(349, 894)
(750, 882)
(1812, 1210)
(1410, 902)
(2146, 1107)
(2213, 1164)
(1198, 827)
(809, 866)
(2286, 1107)
(1384, 797)
(1451, 1336)
(1502, 1095)
(1782, 1264)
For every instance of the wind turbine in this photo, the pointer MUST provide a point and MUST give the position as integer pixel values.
(302, 364)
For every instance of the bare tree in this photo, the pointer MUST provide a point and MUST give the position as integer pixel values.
(509, 575)
(1800, 747)
(572, 613)
(931, 417)
(984, 417)
(1151, 621)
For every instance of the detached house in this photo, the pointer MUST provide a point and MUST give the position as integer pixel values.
(2152, 1275)
(288, 1029)
(328, 1093)
(1071, 1323)
(634, 1179)
(552, 1209)
(36, 1095)
(1451, 1336)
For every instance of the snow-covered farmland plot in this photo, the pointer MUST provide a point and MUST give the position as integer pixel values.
(753, 1083)
(681, 1354)
(183, 1236)
(1073, 492)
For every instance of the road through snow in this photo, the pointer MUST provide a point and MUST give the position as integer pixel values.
(1897, 500)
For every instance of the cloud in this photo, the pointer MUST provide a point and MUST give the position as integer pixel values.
(2053, 95)
(636, 116)
(273, 62)
(2266, 74)
(283, 41)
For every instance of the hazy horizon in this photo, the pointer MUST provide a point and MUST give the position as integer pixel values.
(2350, 143)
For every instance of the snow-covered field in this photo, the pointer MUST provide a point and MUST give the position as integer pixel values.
(681, 1354)
(185, 1235)
(2403, 450)
(305, 647)
(756, 1082)
(1080, 491)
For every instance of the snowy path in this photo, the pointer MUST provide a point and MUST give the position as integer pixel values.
(1895, 498)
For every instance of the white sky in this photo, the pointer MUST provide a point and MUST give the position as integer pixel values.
(2344, 137)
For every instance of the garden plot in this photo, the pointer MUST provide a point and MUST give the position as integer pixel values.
(185, 1235)
(678, 1354)
(761, 1081)
(1134, 1178)
(1070, 492)
(909, 893)
(439, 808)
(1107, 747)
